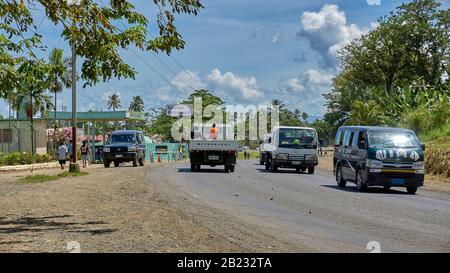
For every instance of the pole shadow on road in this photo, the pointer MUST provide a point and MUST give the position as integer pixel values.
(283, 171)
(377, 190)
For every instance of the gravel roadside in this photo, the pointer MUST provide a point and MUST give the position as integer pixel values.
(109, 210)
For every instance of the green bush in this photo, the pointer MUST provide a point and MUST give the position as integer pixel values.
(17, 158)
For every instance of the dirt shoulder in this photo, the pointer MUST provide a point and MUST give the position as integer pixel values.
(432, 182)
(109, 210)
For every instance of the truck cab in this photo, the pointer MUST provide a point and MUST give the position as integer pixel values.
(124, 146)
(378, 156)
(292, 147)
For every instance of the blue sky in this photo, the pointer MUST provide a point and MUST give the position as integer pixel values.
(248, 52)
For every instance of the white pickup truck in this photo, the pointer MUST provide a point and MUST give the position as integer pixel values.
(292, 147)
(203, 150)
(263, 148)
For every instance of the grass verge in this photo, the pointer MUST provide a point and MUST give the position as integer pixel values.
(40, 178)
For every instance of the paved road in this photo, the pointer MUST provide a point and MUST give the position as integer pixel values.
(308, 212)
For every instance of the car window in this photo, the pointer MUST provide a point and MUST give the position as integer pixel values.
(341, 139)
(346, 138)
(350, 141)
(338, 137)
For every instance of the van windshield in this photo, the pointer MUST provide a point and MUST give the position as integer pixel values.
(125, 138)
(297, 138)
(393, 140)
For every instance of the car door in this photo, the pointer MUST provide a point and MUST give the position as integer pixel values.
(347, 157)
(352, 154)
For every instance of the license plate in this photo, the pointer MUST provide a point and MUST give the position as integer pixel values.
(119, 156)
(397, 181)
(213, 157)
(296, 163)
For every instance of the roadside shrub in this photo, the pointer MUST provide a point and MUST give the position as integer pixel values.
(417, 120)
(437, 162)
(16, 158)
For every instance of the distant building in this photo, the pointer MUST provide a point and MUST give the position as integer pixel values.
(15, 136)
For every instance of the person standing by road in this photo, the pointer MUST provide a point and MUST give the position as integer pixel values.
(71, 150)
(85, 153)
(62, 155)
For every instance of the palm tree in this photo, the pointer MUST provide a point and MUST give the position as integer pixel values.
(137, 104)
(113, 102)
(60, 76)
(366, 113)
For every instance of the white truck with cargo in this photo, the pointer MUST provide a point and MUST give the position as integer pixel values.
(206, 150)
(292, 147)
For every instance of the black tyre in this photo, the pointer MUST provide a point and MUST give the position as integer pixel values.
(232, 168)
(106, 163)
(386, 188)
(141, 162)
(273, 167)
(411, 190)
(193, 168)
(116, 164)
(298, 169)
(339, 178)
(227, 168)
(267, 164)
(361, 185)
(198, 167)
(135, 163)
(311, 170)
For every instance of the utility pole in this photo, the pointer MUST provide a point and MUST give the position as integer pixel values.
(74, 166)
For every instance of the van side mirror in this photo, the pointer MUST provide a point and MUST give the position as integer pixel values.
(362, 145)
(260, 142)
(422, 146)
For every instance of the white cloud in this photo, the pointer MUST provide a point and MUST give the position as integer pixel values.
(305, 91)
(188, 80)
(328, 32)
(231, 85)
(276, 38)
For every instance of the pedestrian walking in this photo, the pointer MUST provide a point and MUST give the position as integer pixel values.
(62, 155)
(85, 153)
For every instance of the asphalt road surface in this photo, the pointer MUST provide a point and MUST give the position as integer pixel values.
(291, 212)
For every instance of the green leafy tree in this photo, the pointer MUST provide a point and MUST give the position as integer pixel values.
(94, 29)
(366, 113)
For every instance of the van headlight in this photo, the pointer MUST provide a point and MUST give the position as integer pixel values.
(370, 163)
(132, 149)
(418, 165)
(311, 157)
(106, 150)
(282, 156)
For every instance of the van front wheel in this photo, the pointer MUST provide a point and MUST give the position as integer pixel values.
(339, 179)
(311, 170)
(360, 184)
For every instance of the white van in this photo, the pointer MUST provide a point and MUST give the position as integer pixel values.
(263, 148)
(292, 147)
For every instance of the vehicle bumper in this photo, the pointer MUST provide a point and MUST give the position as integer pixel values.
(394, 178)
(295, 163)
(129, 156)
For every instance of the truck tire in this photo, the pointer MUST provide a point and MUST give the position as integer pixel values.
(267, 165)
(411, 190)
(311, 170)
(116, 164)
(193, 167)
(141, 162)
(135, 163)
(273, 167)
(198, 167)
(232, 168)
(106, 163)
(261, 159)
